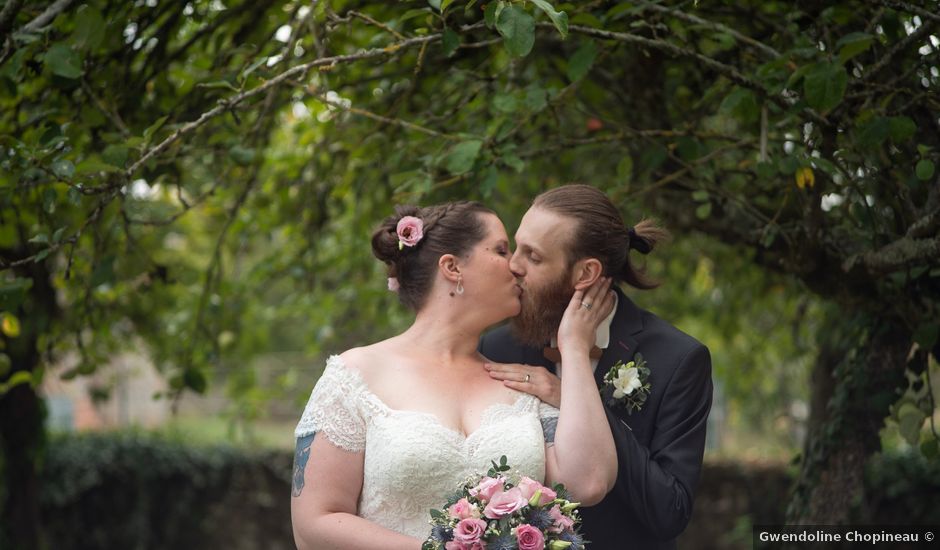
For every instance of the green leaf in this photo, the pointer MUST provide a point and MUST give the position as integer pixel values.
(115, 155)
(926, 335)
(930, 448)
(461, 158)
(700, 195)
(924, 169)
(89, 28)
(824, 85)
(49, 198)
(242, 155)
(873, 132)
(741, 104)
(765, 170)
(450, 40)
(62, 61)
(13, 292)
(582, 60)
(152, 129)
(104, 271)
(625, 170)
(559, 18)
(704, 210)
(505, 103)
(195, 379)
(536, 98)
(910, 420)
(436, 4)
(57, 236)
(491, 13)
(853, 44)
(901, 128)
(517, 29)
(75, 196)
(63, 168)
(444, 4)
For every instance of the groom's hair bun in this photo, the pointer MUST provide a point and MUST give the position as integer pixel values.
(449, 228)
(600, 232)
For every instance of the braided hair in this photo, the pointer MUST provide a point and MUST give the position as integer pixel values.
(449, 228)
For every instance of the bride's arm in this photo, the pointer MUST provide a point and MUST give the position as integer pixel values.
(325, 498)
(583, 456)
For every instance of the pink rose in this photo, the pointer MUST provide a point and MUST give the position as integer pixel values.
(529, 538)
(462, 509)
(487, 487)
(560, 521)
(410, 231)
(469, 530)
(504, 503)
(529, 486)
(454, 545)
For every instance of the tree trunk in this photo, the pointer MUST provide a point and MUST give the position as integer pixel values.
(22, 416)
(21, 440)
(838, 447)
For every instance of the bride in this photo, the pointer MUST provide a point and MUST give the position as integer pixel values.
(392, 429)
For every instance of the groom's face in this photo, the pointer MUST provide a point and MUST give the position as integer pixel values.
(542, 266)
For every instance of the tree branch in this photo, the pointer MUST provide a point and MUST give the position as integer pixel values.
(230, 103)
(7, 16)
(904, 6)
(726, 70)
(901, 254)
(713, 25)
(47, 16)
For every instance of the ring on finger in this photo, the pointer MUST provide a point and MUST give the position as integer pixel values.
(526, 379)
(586, 305)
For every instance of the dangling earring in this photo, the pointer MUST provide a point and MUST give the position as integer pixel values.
(459, 288)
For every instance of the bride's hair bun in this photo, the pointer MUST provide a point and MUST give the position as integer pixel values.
(449, 228)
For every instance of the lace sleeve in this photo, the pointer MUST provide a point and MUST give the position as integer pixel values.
(548, 416)
(335, 408)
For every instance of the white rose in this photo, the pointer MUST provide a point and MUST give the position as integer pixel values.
(627, 381)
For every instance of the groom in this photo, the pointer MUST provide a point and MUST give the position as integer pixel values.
(659, 446)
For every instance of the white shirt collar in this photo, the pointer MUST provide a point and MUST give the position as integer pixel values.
(602, 336)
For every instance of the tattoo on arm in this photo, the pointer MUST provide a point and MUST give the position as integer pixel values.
(301, 454)
(548, 429)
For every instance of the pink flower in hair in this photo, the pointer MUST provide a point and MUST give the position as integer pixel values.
(410, 231)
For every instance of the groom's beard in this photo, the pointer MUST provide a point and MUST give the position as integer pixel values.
(542, 310)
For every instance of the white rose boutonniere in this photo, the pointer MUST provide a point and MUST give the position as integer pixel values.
(625, 385)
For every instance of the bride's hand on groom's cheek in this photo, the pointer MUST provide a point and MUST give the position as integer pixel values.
(535, 381)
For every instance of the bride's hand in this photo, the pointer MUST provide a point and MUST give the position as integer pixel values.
(586, 310)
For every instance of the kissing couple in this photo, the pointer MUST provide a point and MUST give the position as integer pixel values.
(581, 387)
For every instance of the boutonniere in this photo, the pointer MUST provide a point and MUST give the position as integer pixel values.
(626, 385)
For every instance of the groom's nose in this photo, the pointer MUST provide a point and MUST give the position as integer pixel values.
(515, 265)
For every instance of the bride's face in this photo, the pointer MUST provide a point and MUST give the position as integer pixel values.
(489, 284)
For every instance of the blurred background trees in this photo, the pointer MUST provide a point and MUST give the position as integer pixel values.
(197, 181)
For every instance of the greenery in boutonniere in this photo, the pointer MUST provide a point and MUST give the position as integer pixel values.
(626, 385)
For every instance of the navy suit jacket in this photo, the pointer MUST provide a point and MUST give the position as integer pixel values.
(659, 447)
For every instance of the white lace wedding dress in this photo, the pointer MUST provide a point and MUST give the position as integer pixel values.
(412, 462)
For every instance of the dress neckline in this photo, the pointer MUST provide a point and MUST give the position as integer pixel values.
(486, 417)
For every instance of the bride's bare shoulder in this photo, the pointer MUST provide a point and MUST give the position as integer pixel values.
(365, 359)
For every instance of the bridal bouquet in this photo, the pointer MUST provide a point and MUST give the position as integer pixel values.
(501, 512)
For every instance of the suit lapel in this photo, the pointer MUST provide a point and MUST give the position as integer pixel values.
(622, 347)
